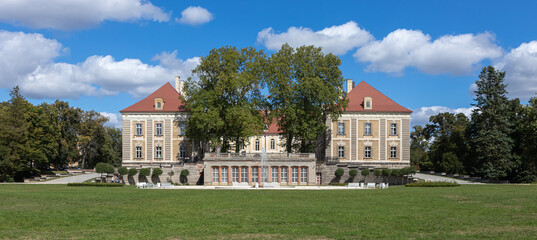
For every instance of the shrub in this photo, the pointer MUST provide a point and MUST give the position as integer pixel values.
(171, 173)
(123, 171)
(396, 172)
(432, 184)
(104, 168)
(377, 172)
(95, 185)
(132, 172)
(337, 184)
(157, 172)
(339, 172)
(185, 172)
(365, 172)
(353, 173)
(385, 172)
(144, 172)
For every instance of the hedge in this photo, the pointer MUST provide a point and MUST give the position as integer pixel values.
(104, 168)
(95, 185)
(432, 184)
(123, 171)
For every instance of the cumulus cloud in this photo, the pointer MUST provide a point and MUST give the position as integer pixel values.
(79, 14)
(195, 16)
(114, 119)
(520, 65)
(34, 70)
(336, 39)
(421, 115)
(22, 53)
(453, 54)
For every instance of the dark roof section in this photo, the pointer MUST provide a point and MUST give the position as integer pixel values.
(381, 103)
(169, 95)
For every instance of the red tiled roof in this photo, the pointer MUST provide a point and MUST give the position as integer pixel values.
(169, 95)
(381, 103)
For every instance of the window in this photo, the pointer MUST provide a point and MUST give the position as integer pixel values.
(138, 152)
(255, 174)
(274, 174)
(283, 177)
(158, 152)
(235, 174)
(341, 128)
(264, 174)
(393, 152)
(272, 144)
(138, 129)
(244, 174)
(182, 129)
(341, 151)
(294, 174)
(304, 174)
(257, 145)
(367, 104)
(367, 129)
(393, 128)
(159, 105)
(367, 152)
(224, 174)
(158, 128)
(216, 174)
(182, 150)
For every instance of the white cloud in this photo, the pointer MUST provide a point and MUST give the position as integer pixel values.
(453, 54)
(79, 14)
(114, 119)
(103, 75)
(27, 60)
(22, 53)
(520, 66)
(195, 16)
(336, 39)
(421, 115)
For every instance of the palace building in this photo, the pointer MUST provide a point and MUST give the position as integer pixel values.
(373, 132)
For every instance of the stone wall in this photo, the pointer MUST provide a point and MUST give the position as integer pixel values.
(191, 179)
(328, 176)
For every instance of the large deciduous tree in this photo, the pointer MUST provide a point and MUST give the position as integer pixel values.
(224, 99)
(305, 91)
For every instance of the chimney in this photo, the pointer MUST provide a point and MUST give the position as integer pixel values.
(350, 85)
(178, 84)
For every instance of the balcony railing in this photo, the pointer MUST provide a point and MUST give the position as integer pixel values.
(257, 156)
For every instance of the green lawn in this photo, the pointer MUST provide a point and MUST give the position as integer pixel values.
(465, 212)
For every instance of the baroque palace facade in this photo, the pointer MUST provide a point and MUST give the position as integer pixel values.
(373, 132)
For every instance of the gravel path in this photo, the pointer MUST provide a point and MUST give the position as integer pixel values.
(72, 179)
(436, 178)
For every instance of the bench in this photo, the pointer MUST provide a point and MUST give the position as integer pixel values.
(165, 185)
(141, 185)
(271, 185)
(370, 185)
(240, 185)
(149, 185)
(353, 185)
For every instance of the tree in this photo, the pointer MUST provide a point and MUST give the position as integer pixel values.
(144, 172)
(68, 121)
(132, 172)
(92, 138)
(525, 138)
(104, 168)
(123, 171)
(490, 129)
(419, 147)
(305, 91)
(339, 172)
(157, 172)
(449, 133)
(225, 101)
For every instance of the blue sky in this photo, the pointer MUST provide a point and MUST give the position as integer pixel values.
(106, 55)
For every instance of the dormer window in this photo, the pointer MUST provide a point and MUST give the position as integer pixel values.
(368, 103)
(159, 104)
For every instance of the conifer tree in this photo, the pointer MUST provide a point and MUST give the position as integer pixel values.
(491, 127)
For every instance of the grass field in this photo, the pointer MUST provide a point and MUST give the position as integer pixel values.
(465, 212)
